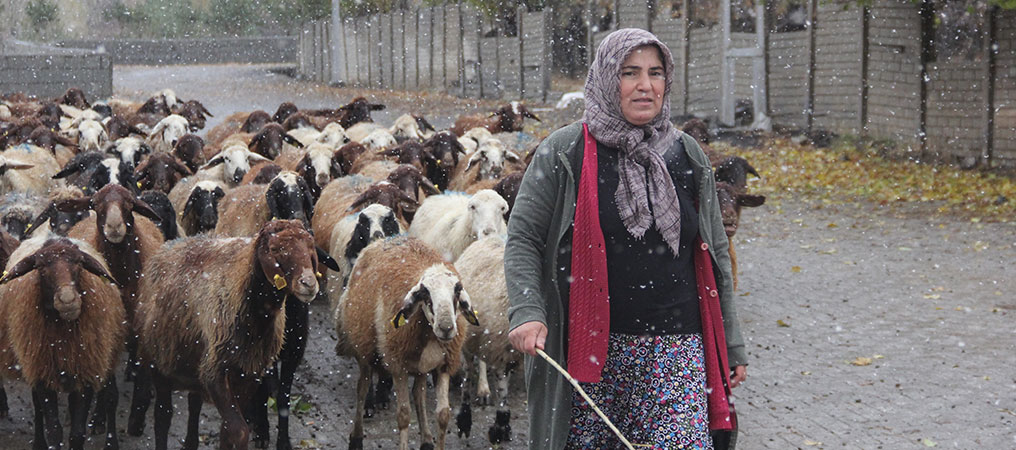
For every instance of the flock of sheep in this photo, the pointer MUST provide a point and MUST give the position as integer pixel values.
(125, 233)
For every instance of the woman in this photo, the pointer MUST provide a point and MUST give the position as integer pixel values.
(622, 206)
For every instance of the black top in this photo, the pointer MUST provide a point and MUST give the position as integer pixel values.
(651, 291)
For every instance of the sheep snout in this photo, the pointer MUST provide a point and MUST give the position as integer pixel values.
(306, 286)
(114, 228)
(238, 175)
(67, 303)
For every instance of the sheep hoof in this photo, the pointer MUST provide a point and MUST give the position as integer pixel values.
(356, 443)
(135, 425)
(483, 400)
(260, 442)
(368, 412)
(501, 431)
(426, 446)
(464, 420)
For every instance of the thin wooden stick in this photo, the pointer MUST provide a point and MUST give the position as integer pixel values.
(585, 396)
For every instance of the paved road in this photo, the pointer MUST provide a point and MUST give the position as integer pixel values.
(865, 330)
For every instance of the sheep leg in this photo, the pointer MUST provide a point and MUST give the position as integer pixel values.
(362, 385)
(501, 431)
(257, 411)
(464, 419)
(132, 358)
(297, 316)
(163, 410)
(47, 423)
(4, 410)
(141, 399)
(482, 384)
(444, 411)
(97, 424)
(420, 405)
(194, 402)
(401, 383)
(78, 403)
(110, 397)
(229, 394)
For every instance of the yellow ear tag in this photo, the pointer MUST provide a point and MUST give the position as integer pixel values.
(280, 282)
(28, 227)
(139, 185)
(399, 319)
(476, 314)
(319, 275)
(275, 218)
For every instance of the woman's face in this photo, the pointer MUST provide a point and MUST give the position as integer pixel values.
(643, 81)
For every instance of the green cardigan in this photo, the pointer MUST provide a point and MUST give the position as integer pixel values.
(543, 212)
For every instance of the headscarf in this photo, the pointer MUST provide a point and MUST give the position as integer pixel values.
(641, 147)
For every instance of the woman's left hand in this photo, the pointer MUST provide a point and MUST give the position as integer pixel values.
(740, 373)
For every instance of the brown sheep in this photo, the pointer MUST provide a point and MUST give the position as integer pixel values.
(246, 208)
(404, 312)
(190, 150)
(356, 111)
(508, 118)
(216, 348)
(61, 330)
(161, 171)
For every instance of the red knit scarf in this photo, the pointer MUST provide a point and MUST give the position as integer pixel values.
(589, 304)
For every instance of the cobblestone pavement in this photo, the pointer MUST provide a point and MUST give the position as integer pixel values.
(865, 329)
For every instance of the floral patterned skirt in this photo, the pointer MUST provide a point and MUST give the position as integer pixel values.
(653, 390)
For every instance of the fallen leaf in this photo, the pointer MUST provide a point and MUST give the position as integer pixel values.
(932, 296)
(806, 246)
(811, 443)
(796, 269)
(905, 249)
(806, 372)
(828, 252)
(781, 323)
(745, 293)
(877, 356)
(928, 442)
(861, 361)
(832, 225)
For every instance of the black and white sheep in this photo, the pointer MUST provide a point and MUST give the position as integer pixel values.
(200, 210)
(246, 208)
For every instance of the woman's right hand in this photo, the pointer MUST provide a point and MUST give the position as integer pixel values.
(528, 337)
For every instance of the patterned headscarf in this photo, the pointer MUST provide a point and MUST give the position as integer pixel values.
(641, 147)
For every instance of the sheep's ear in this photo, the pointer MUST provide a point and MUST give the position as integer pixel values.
(376, 106)
(20, 269)
(73, 205)
(69, 143)
(179, 167)
(219, 159)
(92, 265)
(42, 218)
(748, 168)
(141, 207)
(422, 123)
(326, 259)
(16, 165)
(475, 159)
(289, 139)
(254, 157)
(67, 171)
(466, 306)
(526, 113)
(336, 166)
(750, 201)
(429, 187)
(189, 206)
(512, 156)
(158, 128)
(203, 109)
(410, 304)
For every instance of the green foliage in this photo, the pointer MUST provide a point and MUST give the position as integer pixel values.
(182, 19)
(1004, 4)
(41, 13)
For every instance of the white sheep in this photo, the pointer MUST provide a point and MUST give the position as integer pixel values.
(379, 139)
(170, 129)
(28, 168)
(481, 268)
(487, 162)
(473, 137)
(450, 222)
(91, 135)
(406, 307)
(230, 165)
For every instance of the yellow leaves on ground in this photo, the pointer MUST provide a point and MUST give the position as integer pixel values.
(865, 361)
(844, 174)
(796, 269)
(780, 323)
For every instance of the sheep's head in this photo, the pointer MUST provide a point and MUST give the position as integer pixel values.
(333, 135)
(440, 296)
(59, 263)
(111, 171)
(410, 180)
(379, 140)
(160, 172)
(268, 142)
(194, 112)
(285, 110)
(203, 202)
(408, 126)
(74, 97)
(288, 259)
(190, 149)
(130, 150)
(373, 223)
(289, 197)
(731, 201)
(357, 111)
(170, 129)
(486, 214)
(118, 127)
(735, 170)
(114, 206)
(490, 157)
(297, 120)
(59, 222)
(12, 164)
(445, 148)
(255, 121)
(347, 155)
(510, 116)
(91, 135)
(318, 166)
(697, 129)
(236, 161)
(387, 194)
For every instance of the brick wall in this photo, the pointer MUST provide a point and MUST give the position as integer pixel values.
(50, 72)
(704, 71)
(894, 73)
(956, 105)
(280, 49)
(632, 14)
(536, 55)
(671, 33)
(743, 74)
(788, 78)
(838, 66)
(1005, 91)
